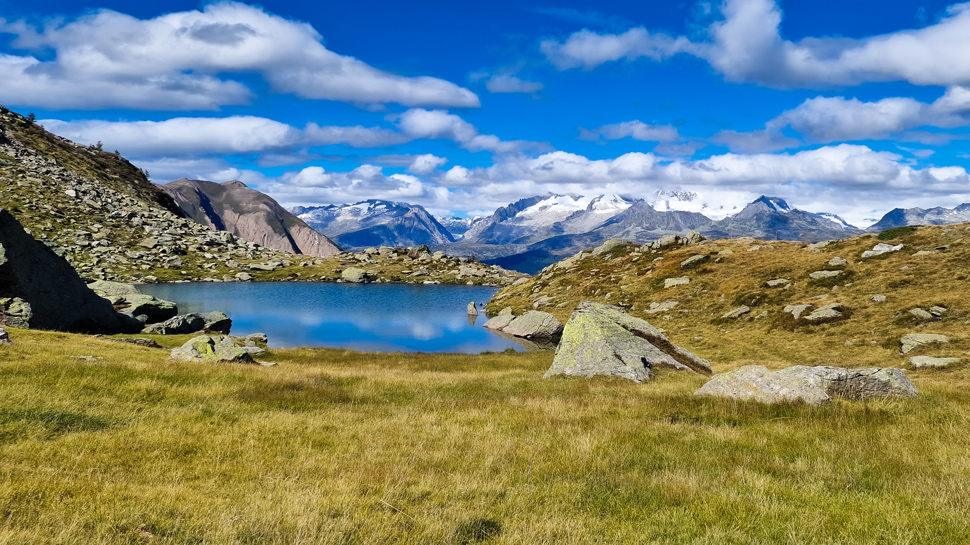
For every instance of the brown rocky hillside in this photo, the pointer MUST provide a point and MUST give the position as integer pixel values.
(735, 301)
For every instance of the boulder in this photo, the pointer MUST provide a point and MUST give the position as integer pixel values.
(604, 340)
(838, 262)
(694, 260)
(472, 309)
(929, 361)
(4, 337)
(244, 276)
(915, 340)
(678, 281)
(818, 275)
(106, 288)
(219, 348)
(192, 322)
(254, 338)
(810, 385)
(796, 310)
(33, 277)
(354, 275)
(828, 313)
(921, 314)
(693, 237)
(154, 310)
(607, 246)
(217, 321)
(534, 324)
(501, 320)
(737, 313)
(880, 249)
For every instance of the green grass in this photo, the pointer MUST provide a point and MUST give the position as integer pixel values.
(335, 446)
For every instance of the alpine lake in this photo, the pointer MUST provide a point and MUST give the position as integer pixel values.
(363, 317)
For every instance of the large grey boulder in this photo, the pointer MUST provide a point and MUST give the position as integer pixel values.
(811, 385)
(33, 276)
(192, 322)
(501, 320)
(219, 348)
(354, 275)
(604, 340)
(534, 324)
(126, 300)
(915, 340)
(472, 309)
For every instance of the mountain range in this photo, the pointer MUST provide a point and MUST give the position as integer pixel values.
(375, 223)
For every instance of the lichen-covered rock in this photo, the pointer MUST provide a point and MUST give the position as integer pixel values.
(811, 385)
(354, 275)
(219, 348)
(604, 340)
(534, 324)
(930, 361)
(915, 340)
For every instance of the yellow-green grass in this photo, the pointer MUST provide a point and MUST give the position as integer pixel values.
(334, 446)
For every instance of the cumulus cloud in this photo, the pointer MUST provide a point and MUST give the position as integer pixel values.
(180, 61)
(420, 123)
(636, 130)
(426, 164)
(504, 83)
(746, 45)
(587, 49)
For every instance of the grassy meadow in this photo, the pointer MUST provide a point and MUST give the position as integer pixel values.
(334, 446)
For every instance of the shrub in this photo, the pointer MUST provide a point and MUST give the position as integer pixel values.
(897, 232)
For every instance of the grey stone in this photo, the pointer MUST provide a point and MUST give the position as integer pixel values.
(243, 276)
(661, 307)
(778, 283)
(472, 309)
(4, 337)
(921, 314)
(607, 246)
(354, 275)
(219, 348)
(694, 260)
(938, 311)
(693, 237)
(500, 321)
(177, 325)
(811, 385)
(542, 300)
(824, 274)
(677, 281)
(256, 338)
(471, 270)
(217, 321)
(534, 324)
(838, 262)
(878, 298)
(737, 313)
(137, 304)
(604, 340)
(827, 313)
(106, 288)
(930, 361)
(880, 249)
(796, 310)
(665, 241)
(915, 340)
(139, 341)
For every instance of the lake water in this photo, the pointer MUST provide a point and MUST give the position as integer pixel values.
(371, 317)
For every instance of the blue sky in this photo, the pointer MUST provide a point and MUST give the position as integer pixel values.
(853, 108)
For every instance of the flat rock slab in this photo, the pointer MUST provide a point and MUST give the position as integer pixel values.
(818, 275)
(930, 361)
(604, 340)
(810, 385)
(678, 281)
(737, 313)
(915, 340)
(534, 324)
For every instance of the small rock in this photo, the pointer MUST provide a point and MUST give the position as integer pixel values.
(817, 275)
(243, 277)
(218, 348)
(880, 249)
(796, 310)
(4, 337)
(472, 309)
(778, 283)
(726, 252)
(661, 307)
(838, 262)
(938, 311)
(929, 361)
(694, 260)
(915, 340)
(354, 275)
(921, 314)
(678, 281)
(878, 298)
(828, 313)
(737, 313)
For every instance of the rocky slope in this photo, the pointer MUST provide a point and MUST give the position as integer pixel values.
(857, 300)
(109, 222)
(375, 223)
(248, 214)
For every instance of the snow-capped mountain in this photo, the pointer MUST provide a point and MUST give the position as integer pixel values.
(458, 226)
(375, 223)
(774, 219)
(537, 218)
(900, 217)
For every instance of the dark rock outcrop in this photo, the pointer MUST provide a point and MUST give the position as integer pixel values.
(56, 297)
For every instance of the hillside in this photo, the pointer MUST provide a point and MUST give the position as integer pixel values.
(250, 215)
(929, 271)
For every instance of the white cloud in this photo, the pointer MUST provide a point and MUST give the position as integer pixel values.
(176, 61)
(504, 83)
(588, 49)
(419, 123)
(426, 164)
(746, 45)
(632, 129)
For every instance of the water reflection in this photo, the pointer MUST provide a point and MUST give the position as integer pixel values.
(374, 317)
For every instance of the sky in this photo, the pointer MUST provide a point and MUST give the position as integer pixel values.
(852, 108)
